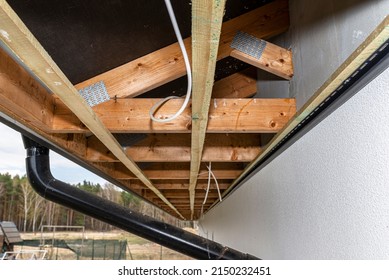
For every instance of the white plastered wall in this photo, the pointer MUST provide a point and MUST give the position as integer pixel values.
(327, 196)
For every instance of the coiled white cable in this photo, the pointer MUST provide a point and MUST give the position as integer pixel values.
(188, 72)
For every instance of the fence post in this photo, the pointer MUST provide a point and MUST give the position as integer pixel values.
(93, 249)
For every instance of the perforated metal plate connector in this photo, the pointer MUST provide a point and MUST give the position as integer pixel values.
(95, 94)
(248, 44)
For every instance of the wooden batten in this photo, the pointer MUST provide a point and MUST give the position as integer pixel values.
(207, 19)
(227, 115)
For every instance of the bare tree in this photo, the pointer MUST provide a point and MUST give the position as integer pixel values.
(2, 189)
(2, 198)
(27, 194)
(37, 210)
(50, 209)
(13, 193)
(2, 193)
(110, 193)
(44, 210)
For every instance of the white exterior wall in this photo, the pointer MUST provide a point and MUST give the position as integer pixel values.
(327, 196)
(322, 35)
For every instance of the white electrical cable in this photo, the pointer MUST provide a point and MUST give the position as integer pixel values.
(210, 172)
(209, 184)
(188, 72)
(214, 178)
(207, 191)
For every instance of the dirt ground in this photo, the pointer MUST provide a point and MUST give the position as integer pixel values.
(137, 248)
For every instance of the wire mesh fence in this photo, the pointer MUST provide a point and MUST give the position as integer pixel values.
(92, 249)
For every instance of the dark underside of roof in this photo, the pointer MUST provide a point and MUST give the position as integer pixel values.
(86, 38)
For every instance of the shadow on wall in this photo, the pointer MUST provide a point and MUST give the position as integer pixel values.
(308, 15)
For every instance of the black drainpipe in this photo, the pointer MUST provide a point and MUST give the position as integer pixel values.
(41, 179)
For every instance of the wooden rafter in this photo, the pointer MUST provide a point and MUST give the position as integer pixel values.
(22, 43)
(18, 96)
(197, 200)
(24, 96)
(181, 193)
(27, 102)
(184, 196)
(181, 185)
(165, 65)
(207, 19)
(239, 85)
(274, 59)
(227, 115)
(176, 148)
(174, 171)
(21, 97)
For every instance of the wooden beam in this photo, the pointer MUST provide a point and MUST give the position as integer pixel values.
(30, 105)
(16, 36)
(239, 85)
(184, 195)
(180, 185)
(73, 144)
(175, 171)
(207, 17)
(22, 95)
(182, 205)
(230, 115)
(165, 65)
(198, 200)
(181, 174)
(198, 205)
(176, 148)
(187, 214)
(24, 100)
(185, 210)
(357, 59)
(274, 59)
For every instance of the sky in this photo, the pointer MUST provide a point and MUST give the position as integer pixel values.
(13, 154)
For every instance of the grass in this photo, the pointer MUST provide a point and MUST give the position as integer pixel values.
(133, 239)
(137, 247)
